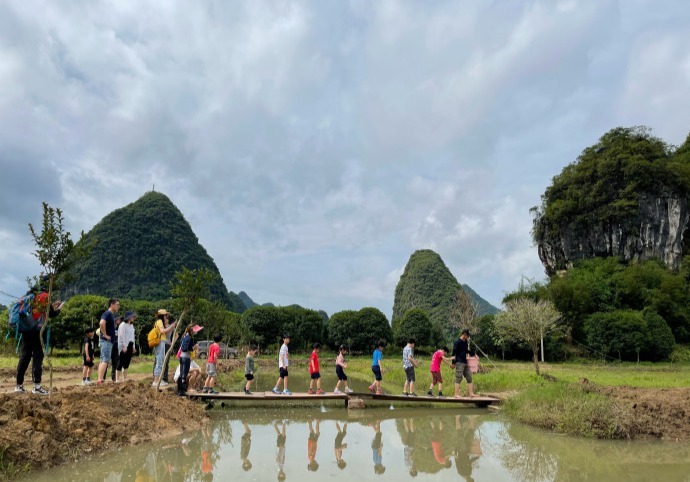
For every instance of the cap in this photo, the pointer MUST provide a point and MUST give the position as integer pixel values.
(163, 311)
(465, 332)
(197, 328)
(130, 314)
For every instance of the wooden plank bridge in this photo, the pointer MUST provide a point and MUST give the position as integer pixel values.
(346, 398)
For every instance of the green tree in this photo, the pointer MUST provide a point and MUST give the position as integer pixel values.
(529, 321)
(416, 324)
(360, 330)
(658, 339)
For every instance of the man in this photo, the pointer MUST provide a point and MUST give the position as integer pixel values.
(462, 369)
(31, 350)
(107, 327)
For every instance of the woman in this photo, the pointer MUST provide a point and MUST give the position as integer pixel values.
(125, 345)
(162, 318)
(186, 347)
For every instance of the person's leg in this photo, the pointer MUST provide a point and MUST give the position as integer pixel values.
(166, 366)
(115, 361)
(25, 357)
(285, 383)
(37, 360)
(318, 384)
(458, 379)
(468, 377)
(311, 385)
(159, 355)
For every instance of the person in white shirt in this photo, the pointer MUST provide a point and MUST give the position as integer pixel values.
(283, 368)
(125, 345)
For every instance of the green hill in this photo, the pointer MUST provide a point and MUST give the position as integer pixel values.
(138, 250)
(248, 302)
(428, 284)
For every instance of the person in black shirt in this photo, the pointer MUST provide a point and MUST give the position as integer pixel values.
(88, 356)
(462, 369)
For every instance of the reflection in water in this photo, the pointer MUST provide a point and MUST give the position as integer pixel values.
(435, 444)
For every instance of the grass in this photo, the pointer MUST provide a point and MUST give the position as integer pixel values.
(8, 468)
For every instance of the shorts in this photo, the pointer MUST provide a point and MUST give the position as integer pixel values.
(315, 375)
(106, 350)
(377, 372)
(282, 372)
(462, 370)
(409, 373)
(249, 377)
(211, 370)
(88, 363)
(436, 378)
(340, 373)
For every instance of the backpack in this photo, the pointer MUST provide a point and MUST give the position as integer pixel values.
(21, 314)
(154, 336)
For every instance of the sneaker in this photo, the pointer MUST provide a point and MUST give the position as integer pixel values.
(247, 392)
(287, 392)
(20, 389)
(276, 391)
(412, 394)
(440, 394)
(84, 382)
(211, 390)
(404, 394)
(154, 384)
(337, 392)
(311, 392)
(88, 381)
(100, 382)
(429, 393)
(319, 392)
(164, 383)
(349, 390)
(372, 389)
(379, 392)
(39, 390)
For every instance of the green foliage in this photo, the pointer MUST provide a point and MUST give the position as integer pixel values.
(360, 330)
(416, 324)
(658, 339)
(137, 251)
(267, 324)
(215, 318)
(428, 284)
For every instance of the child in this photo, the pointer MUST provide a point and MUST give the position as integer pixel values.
(340, 366)
(435, 369)
(312, 445)
(186, 348)
(249, 368)
(377, 367)
(213, 352)
(283, 368)
(280, 450)
(88, 357)
(409, 364)
(314, 370)
(339, 445)
(245, 447)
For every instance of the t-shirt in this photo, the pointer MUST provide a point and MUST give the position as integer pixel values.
(109, 319)
(213, 352)
(248, 365)
(283, 355)
(314, 362)
(89, 350)
(436, 361)
(340, 359)
(407, 353)
(161, 327)
(460, 349)
(378, 356)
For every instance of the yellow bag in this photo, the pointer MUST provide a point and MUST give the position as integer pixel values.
(154, 336)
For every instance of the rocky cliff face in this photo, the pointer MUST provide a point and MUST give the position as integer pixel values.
(656, 232)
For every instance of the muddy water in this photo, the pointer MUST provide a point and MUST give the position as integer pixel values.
(329, 442)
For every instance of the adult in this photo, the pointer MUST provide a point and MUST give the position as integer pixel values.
(31, 336)
(186, 348)
(168, 344)
(164, 327)
(105, 341)
(462, 369)
(115, 354)
(125, 345)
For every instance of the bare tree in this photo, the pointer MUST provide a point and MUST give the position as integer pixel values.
(530, 321)
(463, 313)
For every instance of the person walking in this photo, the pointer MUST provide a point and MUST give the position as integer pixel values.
(314, 372)
(462, 369)
(186, 347)
(437, 358)
(340, 367)
(283, 363)
(377, 368)
(409, 364)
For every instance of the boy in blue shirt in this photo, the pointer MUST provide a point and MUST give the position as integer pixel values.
(377, 367)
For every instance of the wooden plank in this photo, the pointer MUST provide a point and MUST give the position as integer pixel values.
(425, 398)
(265, 396)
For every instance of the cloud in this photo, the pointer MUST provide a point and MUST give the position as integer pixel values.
(313, 146)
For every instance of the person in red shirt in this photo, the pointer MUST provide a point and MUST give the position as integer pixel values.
(312, 445)
(314, 370)
(213, 353)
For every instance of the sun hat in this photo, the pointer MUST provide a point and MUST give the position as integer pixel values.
(130, 314)
(163, 311)
(196, 329)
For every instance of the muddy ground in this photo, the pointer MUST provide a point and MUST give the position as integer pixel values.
(75, 421)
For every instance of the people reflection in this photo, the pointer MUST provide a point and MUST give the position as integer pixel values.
(207, 448)
(312, 445)
(437, 444)
(245, 447)
(339, 445)
(376, 446)
(468, 448)
(280, 450)
(409, 440)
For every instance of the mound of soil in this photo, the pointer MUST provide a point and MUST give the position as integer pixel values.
(659, 413)
(72, 422)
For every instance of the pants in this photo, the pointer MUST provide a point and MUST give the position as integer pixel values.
(185, 363)
(166, 368)
(159, 353)
(124, 360)
(114, 360)
(31, 351)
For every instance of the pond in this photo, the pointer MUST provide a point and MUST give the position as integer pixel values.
(329, 442)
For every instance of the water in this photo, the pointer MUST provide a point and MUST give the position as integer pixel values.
(378, 443)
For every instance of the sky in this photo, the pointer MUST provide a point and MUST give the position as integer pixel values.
(314, 146)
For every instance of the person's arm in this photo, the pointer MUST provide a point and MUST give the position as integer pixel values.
(312, 365)
(86, 351)
(170, 328)
(101, 324)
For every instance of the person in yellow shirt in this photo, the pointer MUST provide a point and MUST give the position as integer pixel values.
(159, 350)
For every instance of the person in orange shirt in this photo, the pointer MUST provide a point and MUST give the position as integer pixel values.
(312, 446)
(314, 370)
(211, 371)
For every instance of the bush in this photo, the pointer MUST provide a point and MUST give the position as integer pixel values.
(360, 330)
(416, 324)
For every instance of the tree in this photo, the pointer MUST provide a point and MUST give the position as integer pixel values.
(56, 253)
(360, 330)
(529, 321)
(416, 324)
(189, 287)
(463, 313)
